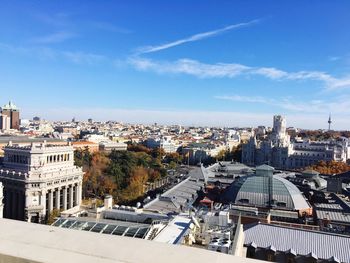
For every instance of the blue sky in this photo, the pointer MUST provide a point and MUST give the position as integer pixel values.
(231, 63)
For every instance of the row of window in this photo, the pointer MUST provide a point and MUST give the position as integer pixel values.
(16, 158)
(58, 158)
(313, 154)
(62, 181)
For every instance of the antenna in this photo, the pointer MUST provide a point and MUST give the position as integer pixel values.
(329, 122)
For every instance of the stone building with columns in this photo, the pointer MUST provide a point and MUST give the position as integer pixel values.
(38, 178)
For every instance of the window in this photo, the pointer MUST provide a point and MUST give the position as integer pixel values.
(244, 201)
(281, 204)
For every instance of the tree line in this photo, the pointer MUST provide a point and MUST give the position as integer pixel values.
(123, 173)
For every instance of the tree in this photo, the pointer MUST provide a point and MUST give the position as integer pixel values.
(139, 148)
(221, 155)
(135, 188)
(330, 168)
(173, 157)
(52, 216)
(153, 175)
(172, 165)
(82, 158)
(122, 173)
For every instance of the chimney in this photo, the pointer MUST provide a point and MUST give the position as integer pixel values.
(108, 202)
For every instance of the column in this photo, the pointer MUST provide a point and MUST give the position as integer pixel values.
(26, 206)
(76, 196)
(70, 204)
(50, 201)
(57, 192)
(43, 202)
(80, 192)
(65, 198)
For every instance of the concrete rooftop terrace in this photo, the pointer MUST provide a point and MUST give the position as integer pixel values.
(27, 242)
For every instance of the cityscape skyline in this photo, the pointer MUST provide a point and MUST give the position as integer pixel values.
(141, 71)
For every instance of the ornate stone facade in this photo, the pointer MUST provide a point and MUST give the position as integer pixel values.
(39, 178)
(279, 151)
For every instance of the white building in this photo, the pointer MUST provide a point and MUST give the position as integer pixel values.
(233, 139)
(96, 138)
(164, 142)
(39, 178)
(5, 122)
(279, 151)
(109, 146)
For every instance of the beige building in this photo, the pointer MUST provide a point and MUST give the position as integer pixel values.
(38, 178)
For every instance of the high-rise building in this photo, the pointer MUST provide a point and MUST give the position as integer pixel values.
(5, 122)
(39, 178)
(12, 112)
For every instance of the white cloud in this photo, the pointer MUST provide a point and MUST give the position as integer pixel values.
(333, 58)
(338, 105)
(196, 37)
(54, 38)
(238, 98)
(190, 67)
(79, 57)
(45, 53)
(231, 70)
(105, 26)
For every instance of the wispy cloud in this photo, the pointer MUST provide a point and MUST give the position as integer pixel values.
(231, 70)
(56, 19)
(196, 37)
(45, 53)
(339, 105)
(53, 38)
(80, 57)
(249, 99)
(333, 58)
(106, 26)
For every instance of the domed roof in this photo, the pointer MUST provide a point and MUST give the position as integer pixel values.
(254, 190)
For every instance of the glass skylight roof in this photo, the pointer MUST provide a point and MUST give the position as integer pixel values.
(137, 231)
